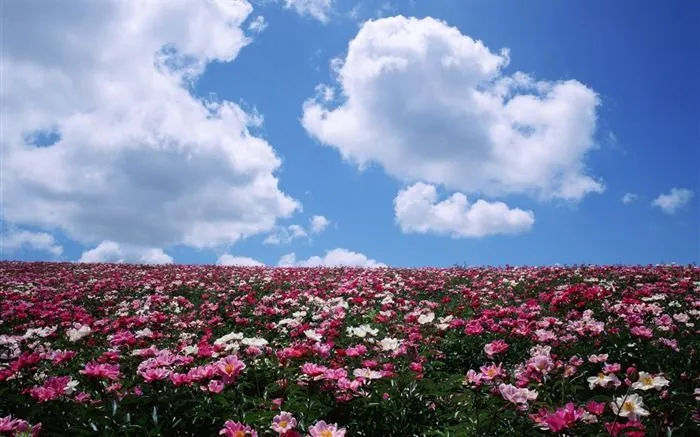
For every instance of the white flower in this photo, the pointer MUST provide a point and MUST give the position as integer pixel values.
(629, 406)
(313, 335)
(77, 332)
(444, 322)
(389, 344)
(255, 341)
(70, 386)
(362, 331)
(602, 380)
(144, 333)
(681, 317)
(648, 381)
(234, 336)
(39, 332)
(426, 318)
(190, 350)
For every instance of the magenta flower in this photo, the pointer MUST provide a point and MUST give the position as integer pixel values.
(105, 371)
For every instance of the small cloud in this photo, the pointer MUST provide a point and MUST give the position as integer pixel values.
(258, 24)
(676, 199)
(333, 258)
(318, 224)
(285, 235)
(230, 260)
(629, 198)
(282, 235)
(318, 9)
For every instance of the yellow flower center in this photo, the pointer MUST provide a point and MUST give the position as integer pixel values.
(327, 433)
(629, 406)
(230, 369)
(283, 424)
(239, 434)
(648, 380)
(601, 376)
(492, 372)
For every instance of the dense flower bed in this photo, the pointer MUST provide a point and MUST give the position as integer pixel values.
(201, 350)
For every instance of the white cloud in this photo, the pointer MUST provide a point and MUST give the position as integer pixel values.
(332, 258)
(444, 112)
(258, 24)
(285, 235)
(318, 224)
(113, 252)
(629, 198)
(676, 199)
(318, 9)
(417, 210)
(17, 239)
(155, 256)
(230, 260)
(139, 160)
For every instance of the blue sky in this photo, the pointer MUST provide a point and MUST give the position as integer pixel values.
(112, 156)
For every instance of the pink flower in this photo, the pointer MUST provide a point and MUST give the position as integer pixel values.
(611, 368)
(642, 331)
(495, 347)
(237, 429)
(229, 368)
(157, 374)
(473, 378)
(19, 426)
(323, 429)
(416, 367)
(179, 379)
(596, 408)
(516, 395)
(598, 358)
(283, 422)
(215, 386)
(492, 372)
(313, 370)
(107, 371)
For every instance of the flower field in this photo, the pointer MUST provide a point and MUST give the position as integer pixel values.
(127, 350)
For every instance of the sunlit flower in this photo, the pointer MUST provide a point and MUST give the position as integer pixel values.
(323, 429)
(648, 381)
(630, 406)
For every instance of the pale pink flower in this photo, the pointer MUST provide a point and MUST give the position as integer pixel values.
(283, 422)
(492, 372)
(516, 395)
(323, 429)
(215, 386)
(598, 358)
